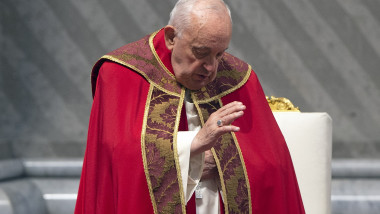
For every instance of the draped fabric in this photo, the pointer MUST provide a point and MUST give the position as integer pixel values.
(131, 153)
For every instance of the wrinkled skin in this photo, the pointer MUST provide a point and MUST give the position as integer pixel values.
(197, 52)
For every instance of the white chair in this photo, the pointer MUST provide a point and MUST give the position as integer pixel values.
(309, 139)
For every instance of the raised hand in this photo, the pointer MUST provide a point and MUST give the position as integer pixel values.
(217, 124)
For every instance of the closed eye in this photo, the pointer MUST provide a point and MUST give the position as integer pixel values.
(200, 52)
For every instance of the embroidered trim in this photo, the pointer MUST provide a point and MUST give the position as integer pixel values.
(140, 72)
(143, 152)
(232, 72)
(161, 126)
(243, 164)
(222, 183)
(159, 136)
(245, 79)
(175, 150)
(196, 104)
(228, 158)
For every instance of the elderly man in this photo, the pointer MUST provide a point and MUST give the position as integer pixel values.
(169, 132)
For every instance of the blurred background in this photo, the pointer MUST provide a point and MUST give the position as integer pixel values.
(323, 55)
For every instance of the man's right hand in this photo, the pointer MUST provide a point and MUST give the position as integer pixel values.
(210, 132)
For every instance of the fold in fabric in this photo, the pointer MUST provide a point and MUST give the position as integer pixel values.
(191, 167)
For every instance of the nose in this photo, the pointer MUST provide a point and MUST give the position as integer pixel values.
(211, 64)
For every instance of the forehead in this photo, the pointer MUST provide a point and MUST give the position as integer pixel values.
(209, 32)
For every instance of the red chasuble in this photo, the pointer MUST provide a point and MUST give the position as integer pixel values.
(131, 164)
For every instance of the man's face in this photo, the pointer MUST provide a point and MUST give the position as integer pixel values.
(196, 54)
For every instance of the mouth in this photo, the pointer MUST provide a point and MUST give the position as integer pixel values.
(202, 76)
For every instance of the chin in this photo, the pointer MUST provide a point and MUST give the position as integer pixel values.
(196, 86)
(193, 88)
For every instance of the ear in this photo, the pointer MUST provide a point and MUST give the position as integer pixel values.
(169, 36)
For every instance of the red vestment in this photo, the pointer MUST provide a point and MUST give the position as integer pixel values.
(113, 178)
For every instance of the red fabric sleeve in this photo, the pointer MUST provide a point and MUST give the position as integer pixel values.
(113, 178)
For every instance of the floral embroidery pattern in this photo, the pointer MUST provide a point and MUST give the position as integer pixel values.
(231, 166)
(159, 151)
(161, 118)
(242, 196)
(144, 60)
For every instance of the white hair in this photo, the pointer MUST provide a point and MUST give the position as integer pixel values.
(180, 16)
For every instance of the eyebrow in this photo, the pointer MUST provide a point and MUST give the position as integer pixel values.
(202, 48)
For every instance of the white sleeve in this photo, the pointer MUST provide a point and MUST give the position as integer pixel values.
(191, 167)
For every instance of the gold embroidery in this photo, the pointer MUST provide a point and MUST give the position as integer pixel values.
(230, 164)
(160, 150)
(140, 72)
(164, 80)
(143, 132)
(175, 150)
(243, 164)
(245, 172)
(160, 136)
(245, 79)
(196, 104)
(222, 183)
(224, 193)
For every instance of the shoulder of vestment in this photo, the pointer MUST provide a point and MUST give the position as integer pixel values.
(141, 57)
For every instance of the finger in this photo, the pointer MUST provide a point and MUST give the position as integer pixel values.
(232, 109)
(227, 120)
(223, 109)
(228, 128)
(230, 118)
